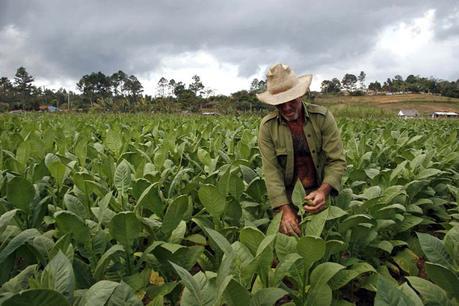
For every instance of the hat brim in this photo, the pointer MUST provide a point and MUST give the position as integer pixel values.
(297, 91)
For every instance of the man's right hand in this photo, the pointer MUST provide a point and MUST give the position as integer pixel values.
(289, 224)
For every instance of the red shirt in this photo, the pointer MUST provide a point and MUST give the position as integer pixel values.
(303, 165)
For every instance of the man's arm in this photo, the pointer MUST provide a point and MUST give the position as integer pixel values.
(273, 173)
(274, 179)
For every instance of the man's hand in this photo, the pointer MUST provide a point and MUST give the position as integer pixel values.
(317, 199)
(289, 223)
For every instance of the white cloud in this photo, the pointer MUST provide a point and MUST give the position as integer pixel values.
(408, 47)
(222, 77)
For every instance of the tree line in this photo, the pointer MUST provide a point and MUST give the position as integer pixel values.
(355, 85)
(121, 92)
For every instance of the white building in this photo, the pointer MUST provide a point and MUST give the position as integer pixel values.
(445, 115)
(408, 113)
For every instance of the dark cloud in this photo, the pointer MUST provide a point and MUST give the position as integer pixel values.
(67, 39)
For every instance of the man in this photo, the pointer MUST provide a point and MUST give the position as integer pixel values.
(298, 141)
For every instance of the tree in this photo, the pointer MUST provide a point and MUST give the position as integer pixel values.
(162, 87)
(6, 88)
(95, 85)
(388, 85)
(196, 87)
(349, 81)
(333, 86)
(117, 80)
(398, 84)
(178, 88)
(257, 86)
(361, 79)
(23, 85)
(133, 87)
(375, 86)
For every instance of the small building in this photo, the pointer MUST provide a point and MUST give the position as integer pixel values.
(209, 113)
(48, 108)
(444, 115)
(408, 113)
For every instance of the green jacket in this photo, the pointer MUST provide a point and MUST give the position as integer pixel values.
(276, 148)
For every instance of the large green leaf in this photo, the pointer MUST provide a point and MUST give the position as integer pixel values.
(298, 195)
(267, 296)
(122, 177)
(283, 268)
(58, 275)
(20, 192)
(324, 272)
(19, 282)
(18, 241)
(68, 222)
(236, 294)
(150, 199)
(99, 293)
(273, 227)
(352, 221)
(190, 283)
(7, 217)
(212, 199)
(224, 276)
(220, 240)
(104, 260)
(114, 141)
(311, 249)
(125, 227)
(316, 225)
(431, 294)
(285, 245)
(174, 214)
(37, 297)
(434, 249)
(451, 242)
(407, 260)
(74, 205)
(427, 173)
(251, 237)
(343, 277)
(388, 294)
(57, 168)
(124, 295)
(443, 277)
(319, 296)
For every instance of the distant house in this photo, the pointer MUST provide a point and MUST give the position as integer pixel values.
(445, 115)
(209, 113)
(48, 108)
(408, 113)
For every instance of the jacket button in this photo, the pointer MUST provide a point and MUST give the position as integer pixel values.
(309, 135)
(313, 151)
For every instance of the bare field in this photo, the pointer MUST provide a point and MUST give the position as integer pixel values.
(423, 103)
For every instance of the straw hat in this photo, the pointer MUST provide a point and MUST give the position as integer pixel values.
(284, 85)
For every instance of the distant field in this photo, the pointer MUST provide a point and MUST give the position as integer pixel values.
(425, 104)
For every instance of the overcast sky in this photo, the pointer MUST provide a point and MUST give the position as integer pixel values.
(227, 43)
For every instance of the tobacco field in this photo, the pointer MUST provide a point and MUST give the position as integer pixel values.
(172, 210)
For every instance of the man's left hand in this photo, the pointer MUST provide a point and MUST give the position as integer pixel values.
(316, 201)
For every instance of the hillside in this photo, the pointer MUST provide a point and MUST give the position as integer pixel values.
(425, 104)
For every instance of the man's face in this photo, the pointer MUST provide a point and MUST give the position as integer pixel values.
(290, 110)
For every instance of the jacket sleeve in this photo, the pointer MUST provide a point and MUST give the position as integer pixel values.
(335, 161)
(273, 173)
